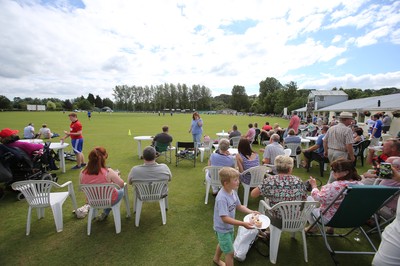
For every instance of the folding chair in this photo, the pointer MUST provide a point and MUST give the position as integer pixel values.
(359, 149)
(186, 151)
(165, 149)
(359, 203)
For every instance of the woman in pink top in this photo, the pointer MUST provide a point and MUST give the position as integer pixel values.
(345, 174)
(96, 172)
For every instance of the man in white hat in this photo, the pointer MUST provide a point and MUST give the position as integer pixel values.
(338, 141)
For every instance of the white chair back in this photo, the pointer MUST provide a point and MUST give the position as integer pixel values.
(214, 181)
(288, 152)
(99, 196)
(150, 191)
(235, 141)
(36, 192)
(257, 174)
(293, 148)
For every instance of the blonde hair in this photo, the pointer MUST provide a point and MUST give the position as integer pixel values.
(283, 164)
(226, 174)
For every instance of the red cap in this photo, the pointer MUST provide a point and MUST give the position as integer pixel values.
(7, 132)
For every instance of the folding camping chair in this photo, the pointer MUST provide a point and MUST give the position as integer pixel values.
(351, 215)
(165, 149)
(186, 151)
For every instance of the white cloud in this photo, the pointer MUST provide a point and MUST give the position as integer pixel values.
(69, 52)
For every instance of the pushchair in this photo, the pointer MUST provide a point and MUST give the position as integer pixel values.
(16, 165)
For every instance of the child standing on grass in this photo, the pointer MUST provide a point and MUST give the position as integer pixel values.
(226, 203)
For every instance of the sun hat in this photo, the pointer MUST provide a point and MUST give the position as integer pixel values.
(344, 115)
(6, 132)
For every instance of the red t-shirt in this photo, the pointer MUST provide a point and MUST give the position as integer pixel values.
(75, 127)
(267, 127)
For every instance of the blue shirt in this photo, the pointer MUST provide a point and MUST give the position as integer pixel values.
(225, 205)
(320, 142)
(196, 129)
(378, 126)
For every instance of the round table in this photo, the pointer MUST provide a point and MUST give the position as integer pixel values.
(139, 141)
(221, 135)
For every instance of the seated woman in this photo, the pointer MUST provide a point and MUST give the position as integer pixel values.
(10, 138)
(245, 159)
(96, 172)
(358, 135)
(291, 137)
(283, 186)
(220, 157)
(344, 174)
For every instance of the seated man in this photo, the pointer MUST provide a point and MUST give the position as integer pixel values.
(272, 150)
(264, 135)
(45, 133)
(316, 152)
(29, 132)
(391, 147)
(235, 132)
(162, 138)
(150, 170)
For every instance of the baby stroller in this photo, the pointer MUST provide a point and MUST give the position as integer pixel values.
(16, 165)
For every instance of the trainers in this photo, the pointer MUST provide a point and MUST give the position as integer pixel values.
(102, 217)
(83, 165)
(76, 167)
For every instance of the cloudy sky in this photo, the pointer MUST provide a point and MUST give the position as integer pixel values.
(69, 48)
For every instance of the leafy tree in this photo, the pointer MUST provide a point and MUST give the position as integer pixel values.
(51, 106)
(239, 100)
(91, 99)
(84, 105)
(107, 102)
(67, 105)
(268, 89)
(98, 102)
(5, 103)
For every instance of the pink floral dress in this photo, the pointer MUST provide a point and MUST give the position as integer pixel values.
(328, 193)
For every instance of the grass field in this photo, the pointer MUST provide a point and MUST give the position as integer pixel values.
(186, 239)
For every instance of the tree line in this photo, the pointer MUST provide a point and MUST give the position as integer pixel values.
(273, 97)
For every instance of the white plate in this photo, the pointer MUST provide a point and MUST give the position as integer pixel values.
(376, 148)
(263, 218)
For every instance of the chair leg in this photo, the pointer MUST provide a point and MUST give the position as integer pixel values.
(246, 194)
(275, 236)
(208, 185)
(303, 234)
(139, 204)
(163, 212)
(40, 213)
(116, 209)
(90, 218)
(28, 221)
(126, 199)
(201, 155)
(58, 216)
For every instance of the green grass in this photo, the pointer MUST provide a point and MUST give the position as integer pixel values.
(186, 239)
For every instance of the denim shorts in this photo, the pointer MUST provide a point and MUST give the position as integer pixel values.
(225, 241)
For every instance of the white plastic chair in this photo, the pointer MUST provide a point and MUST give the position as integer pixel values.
(99, 197)
(38, 195)
(235, 141)
(287, 152)
(147, 192)
(293, 148)
(294, 216)
(215, 182)
(257, 176)
(207, 147)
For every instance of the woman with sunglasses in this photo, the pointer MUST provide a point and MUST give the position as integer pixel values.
(344, 174)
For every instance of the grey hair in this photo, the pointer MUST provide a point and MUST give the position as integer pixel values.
(223, 144)
(275, 138)
(283, 164)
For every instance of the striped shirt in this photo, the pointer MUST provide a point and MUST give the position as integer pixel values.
(338, 137)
